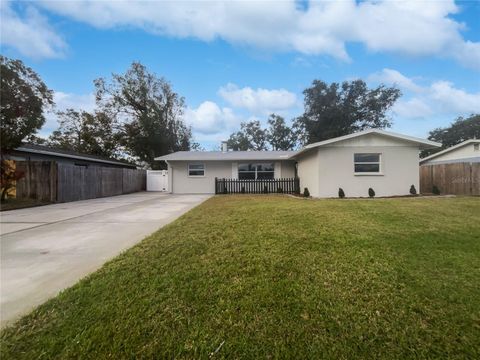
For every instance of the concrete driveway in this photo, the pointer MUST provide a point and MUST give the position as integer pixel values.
(49, 248)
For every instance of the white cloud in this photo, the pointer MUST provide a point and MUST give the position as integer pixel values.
(434, 99)
(65, 101)
(453, 99)
(209, 118)
(31, 34)
(416, 28)
(412, 108)
(394, 77)
(258, 101)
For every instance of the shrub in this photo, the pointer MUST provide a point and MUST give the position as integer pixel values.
(306, 193)
(413, 191)
(341, 193)
(435, 190)
(279, 190)
(243, 190)
(371, 192)
(265, 189)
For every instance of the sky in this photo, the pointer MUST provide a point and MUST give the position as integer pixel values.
(241, 60)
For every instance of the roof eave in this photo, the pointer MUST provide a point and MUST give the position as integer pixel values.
(52, 153)
(447, 150)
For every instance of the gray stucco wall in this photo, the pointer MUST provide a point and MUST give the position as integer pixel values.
(181, 183)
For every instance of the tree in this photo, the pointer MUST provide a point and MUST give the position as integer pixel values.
(95, 134)
(250, 137)
(23, 99)
(149, 110)
(460, 130)
(340, 109)
(279, 135)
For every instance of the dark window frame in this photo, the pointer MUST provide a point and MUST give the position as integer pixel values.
(253, 169)
(370, 166)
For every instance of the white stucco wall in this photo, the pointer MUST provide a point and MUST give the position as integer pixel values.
(465, 152)
(399, 170)
(326, 169)
(181, 183)
(308, 172)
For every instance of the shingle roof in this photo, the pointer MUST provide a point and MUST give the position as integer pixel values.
(46, 150)
(423, 143)
(228, 155)
(285, 155)
(447, 150)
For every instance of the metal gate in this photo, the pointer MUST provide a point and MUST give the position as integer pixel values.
(157, 180)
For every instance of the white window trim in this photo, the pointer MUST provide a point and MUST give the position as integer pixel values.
(196, 176)
(379, 162)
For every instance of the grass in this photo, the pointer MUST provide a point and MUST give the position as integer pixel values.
(277, 277)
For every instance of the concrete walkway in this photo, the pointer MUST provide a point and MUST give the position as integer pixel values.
(49, 248)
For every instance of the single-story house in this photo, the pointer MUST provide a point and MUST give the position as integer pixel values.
(31, 152)
(467, 151)
(382, 160)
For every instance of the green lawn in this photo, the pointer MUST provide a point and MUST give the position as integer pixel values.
(278, 277)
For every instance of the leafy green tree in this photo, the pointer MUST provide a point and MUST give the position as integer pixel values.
(95, 134)
(335, 109)
(279, 135)
(250, 137)
(150, 112)
(238, 142)
(460, 130)
(24, 97)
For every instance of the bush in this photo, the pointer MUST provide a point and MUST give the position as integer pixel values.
(371, 192)
(306, 193)
(243, 190)
(435, 190)
(413, 191)
(341, 193)
(279, 190)
(265, 189)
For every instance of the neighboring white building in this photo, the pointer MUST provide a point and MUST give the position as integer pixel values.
(384, 161)
(467, 151)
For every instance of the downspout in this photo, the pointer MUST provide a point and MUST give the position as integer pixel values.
(170, 176)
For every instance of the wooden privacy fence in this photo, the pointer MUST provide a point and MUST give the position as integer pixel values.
(456, 178)
(49, 181)
(260, 186)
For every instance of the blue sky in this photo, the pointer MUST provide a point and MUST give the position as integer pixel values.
(236, 61)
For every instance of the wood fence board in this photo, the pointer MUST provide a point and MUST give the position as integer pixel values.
(49, 181)
(260, 186)
(455, 178)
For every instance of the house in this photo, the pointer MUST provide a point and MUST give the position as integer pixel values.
(467, 151)
(382, 160)
(194, 172)
(32, 152)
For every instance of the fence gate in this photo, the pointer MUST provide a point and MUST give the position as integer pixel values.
(157, 180)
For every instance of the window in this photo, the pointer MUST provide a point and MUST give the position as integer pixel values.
(367, 163)
(256, 171)
(196, 169)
